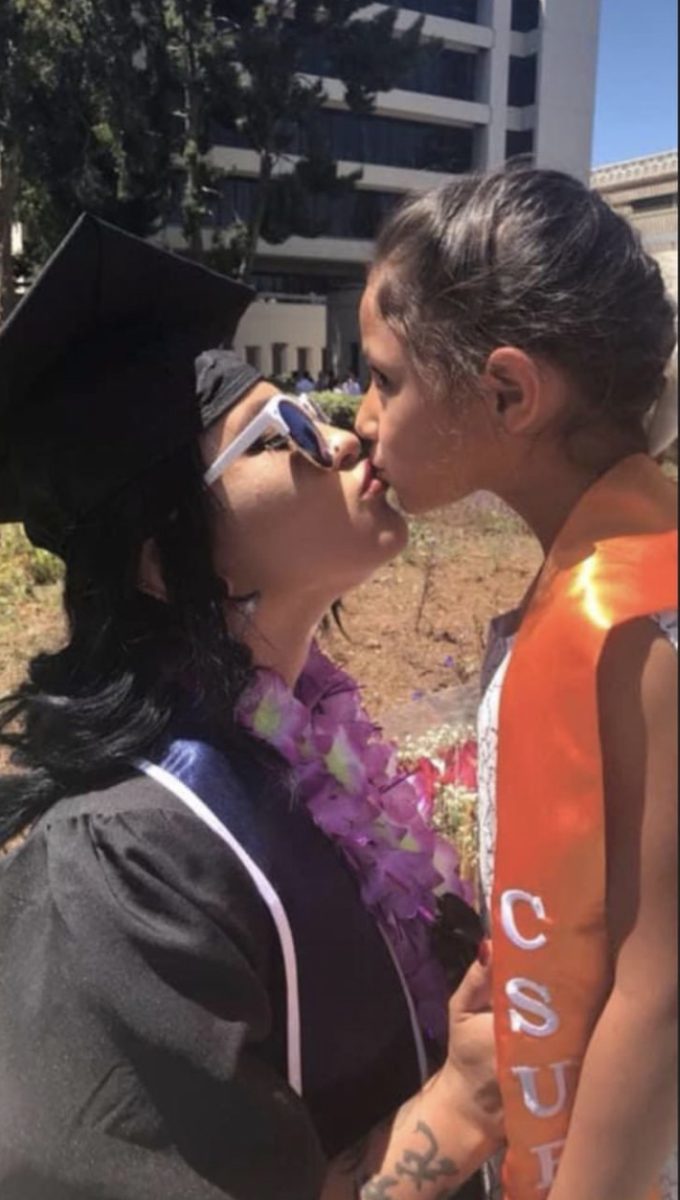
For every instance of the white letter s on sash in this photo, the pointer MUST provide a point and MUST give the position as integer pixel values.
(537, 1004)
(528, 1082)
(508, 901)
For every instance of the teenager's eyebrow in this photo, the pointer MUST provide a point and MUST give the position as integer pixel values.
(373, 360)
(383, 368)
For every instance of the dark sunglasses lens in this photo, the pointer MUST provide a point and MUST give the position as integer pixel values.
(304, 434)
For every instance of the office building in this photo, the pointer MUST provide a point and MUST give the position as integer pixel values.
(645, 190)
(504, 78)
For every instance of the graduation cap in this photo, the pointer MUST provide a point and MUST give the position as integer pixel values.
(100, 375)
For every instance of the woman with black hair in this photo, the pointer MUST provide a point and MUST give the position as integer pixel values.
(197, 997)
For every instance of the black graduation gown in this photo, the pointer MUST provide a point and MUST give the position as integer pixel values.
(142, 1008)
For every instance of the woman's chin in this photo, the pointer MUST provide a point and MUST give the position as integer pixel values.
(391, 539)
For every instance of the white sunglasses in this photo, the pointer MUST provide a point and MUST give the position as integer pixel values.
(295, 420)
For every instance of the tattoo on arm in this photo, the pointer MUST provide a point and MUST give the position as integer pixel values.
(422, 1165)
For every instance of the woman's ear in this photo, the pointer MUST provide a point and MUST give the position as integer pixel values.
(524, 393)
(150, 574)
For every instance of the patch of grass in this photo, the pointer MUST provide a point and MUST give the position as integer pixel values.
(480, 519)
(31, 616)
(24, 567)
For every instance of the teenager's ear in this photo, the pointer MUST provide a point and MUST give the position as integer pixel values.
(522, 396)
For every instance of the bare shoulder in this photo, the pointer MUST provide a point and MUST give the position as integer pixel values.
(637, 676)
(638, 713)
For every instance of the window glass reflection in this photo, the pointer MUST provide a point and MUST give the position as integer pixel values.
(384, 141)
(522, 81)
(435, 71)
(526, 15)
(519, 143)
(455, 10)
(355, 214)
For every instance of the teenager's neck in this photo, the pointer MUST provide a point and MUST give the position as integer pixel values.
(550, 485)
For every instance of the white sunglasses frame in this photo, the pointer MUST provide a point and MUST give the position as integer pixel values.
(268, 419)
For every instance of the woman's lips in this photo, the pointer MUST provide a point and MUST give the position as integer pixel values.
(372, 484)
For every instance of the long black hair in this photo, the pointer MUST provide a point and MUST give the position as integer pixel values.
(130, 659)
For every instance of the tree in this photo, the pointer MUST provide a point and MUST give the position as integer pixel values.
(83, 123)
(112, 106)
(274, 99)
(21, 54)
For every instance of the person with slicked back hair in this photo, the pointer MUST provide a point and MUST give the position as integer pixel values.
(520, 342)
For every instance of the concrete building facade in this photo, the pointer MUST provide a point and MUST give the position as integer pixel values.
(645, 190)
(507, 78)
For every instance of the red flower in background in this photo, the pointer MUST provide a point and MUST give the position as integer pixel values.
(460, 765)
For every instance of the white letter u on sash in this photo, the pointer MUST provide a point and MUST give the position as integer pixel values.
(529, 1083)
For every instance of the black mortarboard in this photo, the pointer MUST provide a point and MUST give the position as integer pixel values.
(98, 376)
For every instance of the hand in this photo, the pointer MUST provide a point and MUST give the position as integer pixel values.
(472, 1052)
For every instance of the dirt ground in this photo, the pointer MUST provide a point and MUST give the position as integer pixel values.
(417, 627)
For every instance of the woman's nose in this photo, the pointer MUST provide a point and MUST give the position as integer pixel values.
(344, 446)
(366, 423)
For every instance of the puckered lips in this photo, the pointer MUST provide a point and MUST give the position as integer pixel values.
(374, 482)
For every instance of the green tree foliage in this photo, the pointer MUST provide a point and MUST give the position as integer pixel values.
(275, 48)
(114, 105)
(83, 121)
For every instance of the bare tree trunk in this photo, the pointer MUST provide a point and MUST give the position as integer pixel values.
(255, 226)
(9, 192)
(192, 200)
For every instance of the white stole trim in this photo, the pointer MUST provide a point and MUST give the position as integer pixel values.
(415, 1027)
(268, 894)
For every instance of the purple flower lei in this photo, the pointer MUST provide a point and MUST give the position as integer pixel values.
(349, 780)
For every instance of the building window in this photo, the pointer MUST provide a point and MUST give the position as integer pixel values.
(279, 359)
(655, 203)
(455, 10)
(285, 284)
(519, 144)
(522, 81)
(437, 71)
(526, 15)
(303, 359)
(391, 142)
(385, 141)
(254, 357)
(353, 214)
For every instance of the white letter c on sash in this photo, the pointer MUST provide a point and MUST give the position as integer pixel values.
(508, 901)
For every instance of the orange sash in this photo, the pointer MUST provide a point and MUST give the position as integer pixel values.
(615, 559)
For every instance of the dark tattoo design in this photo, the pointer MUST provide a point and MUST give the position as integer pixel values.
(422, 1166)
(425, 1167)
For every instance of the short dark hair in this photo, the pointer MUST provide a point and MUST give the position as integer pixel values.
(534, 259)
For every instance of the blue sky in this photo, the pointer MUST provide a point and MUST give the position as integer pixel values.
(636, 106)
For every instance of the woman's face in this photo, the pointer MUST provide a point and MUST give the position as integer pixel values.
(287, 529)
(429, 448)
